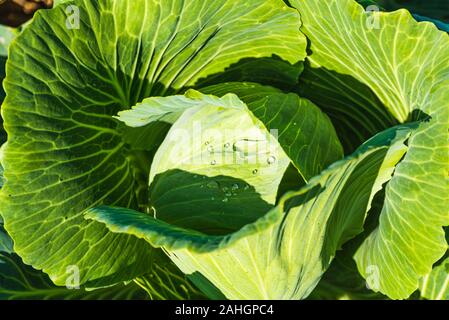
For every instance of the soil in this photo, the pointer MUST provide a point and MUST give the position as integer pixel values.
(13, 13)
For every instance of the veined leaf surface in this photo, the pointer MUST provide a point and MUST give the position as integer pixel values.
(270, 257)
(406, 65)
(65, 83)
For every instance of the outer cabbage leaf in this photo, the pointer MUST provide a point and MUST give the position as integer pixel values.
(21, 282)
(63, 86)
(435, 285)
(271, 257)
(406, 65)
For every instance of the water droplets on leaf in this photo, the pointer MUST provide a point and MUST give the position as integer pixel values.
(251, 148)
(210, 148)
(212, 185)
(271, 159)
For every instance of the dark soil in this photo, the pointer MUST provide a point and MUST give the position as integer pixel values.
(15, 12)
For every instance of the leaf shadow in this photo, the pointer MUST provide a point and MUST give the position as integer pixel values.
(215, 205)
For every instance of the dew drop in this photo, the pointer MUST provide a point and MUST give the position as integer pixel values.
(235, 186)
(213, 162)
(225, 200)
(246, 187)
(228, 194)
(212, 185)
(227, 145)
(255, 171)
(271, 159)
(210, 148)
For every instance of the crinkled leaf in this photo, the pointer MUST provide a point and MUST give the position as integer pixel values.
(65, 84)
(284, 253)
(21, 282)
(409, 75)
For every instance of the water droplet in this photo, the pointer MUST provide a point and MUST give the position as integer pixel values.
(227, 145)
(195, 176)
(213, 198)
(255, 171)
(212, 185)
(210, 148)
(271, 159)
(228, 194)
(206, 143)
(235, 186)
(225, 200)
(294, 123)
(213, 162)
(225, 189)
(250, 148)
(246, 187)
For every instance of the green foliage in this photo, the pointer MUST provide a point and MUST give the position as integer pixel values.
(226, 149)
